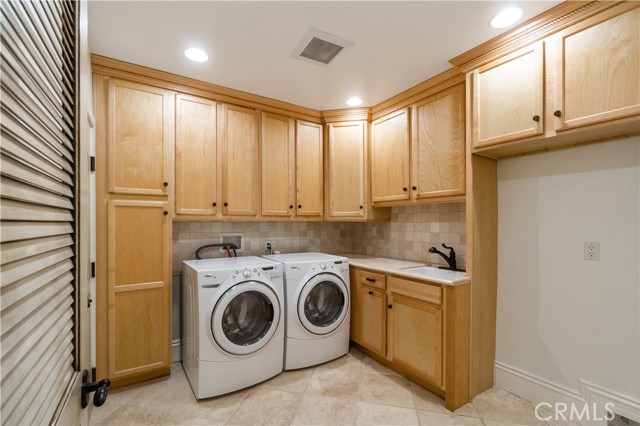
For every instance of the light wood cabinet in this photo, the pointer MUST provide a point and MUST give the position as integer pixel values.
(507, 97)
(196, 156)
(390, 157)
(598, 68)
(373, 317)
(309, 169)
(346, 169)
(140, 125)
(138, 288)
(278, 165)
(239, 138)
(438, 145)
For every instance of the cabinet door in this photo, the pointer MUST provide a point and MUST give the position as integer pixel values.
(309, 172)
(240, 161)
(507, 97)
(438, 160)
(373, 320)
(390, 157)
(278, 170)
(356, 303)
(346, 169)
(415, 337)
(140, 138)
(139, 288)
(196, 192)
(598, 68)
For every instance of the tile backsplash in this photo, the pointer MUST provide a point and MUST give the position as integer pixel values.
(409, 234)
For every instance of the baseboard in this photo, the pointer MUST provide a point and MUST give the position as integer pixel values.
(176, 351)
(540, 390)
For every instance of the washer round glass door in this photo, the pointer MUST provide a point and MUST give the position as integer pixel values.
(245, 318)
(323, 303)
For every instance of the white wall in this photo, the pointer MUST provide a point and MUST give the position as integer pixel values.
(560, 319)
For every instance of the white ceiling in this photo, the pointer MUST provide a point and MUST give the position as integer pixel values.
(396, 45)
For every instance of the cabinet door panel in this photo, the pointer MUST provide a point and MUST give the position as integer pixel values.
(346, 169)
(309, 171)
(196, 191)
(598, 69)
(507, 97)
(439, 164)
(278, 156)
(139, 297)
(140, 138)
(416, 337)
(390, 157)
(373, 311)
(240, 163)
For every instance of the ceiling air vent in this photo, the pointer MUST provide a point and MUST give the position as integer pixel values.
(319, 47)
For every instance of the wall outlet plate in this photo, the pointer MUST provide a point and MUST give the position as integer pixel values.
(592, 250)
(237, 239)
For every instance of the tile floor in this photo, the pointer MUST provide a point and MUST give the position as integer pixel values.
(352, 390)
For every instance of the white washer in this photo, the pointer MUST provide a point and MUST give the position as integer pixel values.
(318, 308)
(232, 323)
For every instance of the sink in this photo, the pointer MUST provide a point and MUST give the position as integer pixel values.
(436, 274)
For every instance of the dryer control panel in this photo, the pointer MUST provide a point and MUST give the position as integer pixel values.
(273, 272)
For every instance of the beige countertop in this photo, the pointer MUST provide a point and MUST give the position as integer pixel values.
(398, 267)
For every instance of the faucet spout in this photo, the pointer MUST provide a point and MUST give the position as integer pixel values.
(450, 259)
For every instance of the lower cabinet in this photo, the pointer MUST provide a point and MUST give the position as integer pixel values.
(412, 327)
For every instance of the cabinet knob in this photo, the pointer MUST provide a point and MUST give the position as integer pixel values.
(226, 204)
(299, 206)
(361, 207)
(405, 189)
(291, 206)
(214, 204)
(557, 113)
(389, 306)
(165, 212)
(370, 293)
(414, 187)
(536, 118)
(165, 184)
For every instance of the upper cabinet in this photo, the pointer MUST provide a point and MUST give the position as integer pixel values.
(309, 169)
(239, 138)
(140, 138)
(598, 69)
(507, 97)
(278, 165)
(390, 157)
(196, 156)
(346, 169)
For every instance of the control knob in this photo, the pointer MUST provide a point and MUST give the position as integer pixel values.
(246, 273)
(323, 266)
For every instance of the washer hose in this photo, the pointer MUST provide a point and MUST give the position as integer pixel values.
(226, 246)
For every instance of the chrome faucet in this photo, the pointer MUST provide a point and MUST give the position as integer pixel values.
(451, 259)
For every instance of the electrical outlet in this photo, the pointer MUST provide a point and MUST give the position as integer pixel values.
(591, 250)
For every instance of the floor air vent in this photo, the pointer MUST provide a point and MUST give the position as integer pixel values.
(319, 47)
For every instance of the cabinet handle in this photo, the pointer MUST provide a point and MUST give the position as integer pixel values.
(214, 204)
(165, 184)
(361, 207)
(557, 113)
(414, 187)
(371, 280)
(299, 206)
(370, 293)
(405, 189)
(165, 212)
(291, 206)
(389, 306)
(536, 118)
(226, 204)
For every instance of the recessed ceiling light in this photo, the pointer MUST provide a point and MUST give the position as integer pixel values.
(354, 101)
(506, 17)
(196, 55)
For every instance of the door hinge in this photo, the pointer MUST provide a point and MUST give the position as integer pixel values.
(93, 269)
(92, 163)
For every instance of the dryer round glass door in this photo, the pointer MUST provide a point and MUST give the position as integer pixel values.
(323, 304)
(245, 318)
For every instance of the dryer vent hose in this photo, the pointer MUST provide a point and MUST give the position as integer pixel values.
(226, 246)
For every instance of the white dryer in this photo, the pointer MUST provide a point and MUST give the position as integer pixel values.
(318, 308)
(232, 323)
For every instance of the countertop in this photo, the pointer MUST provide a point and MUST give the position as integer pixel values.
(397, 267)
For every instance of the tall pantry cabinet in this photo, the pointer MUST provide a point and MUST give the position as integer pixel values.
(134, 174)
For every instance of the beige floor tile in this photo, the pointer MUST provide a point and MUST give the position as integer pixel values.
(374, 367)
(292, 381)
(500, 407)
(467, 410)
(349, 362)
(425, 400)
(323, 410)
(134, 415)
(266, 406)
(216, 410)
(432, 418)
(386, 390)
(336, 383)
(375, 414)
